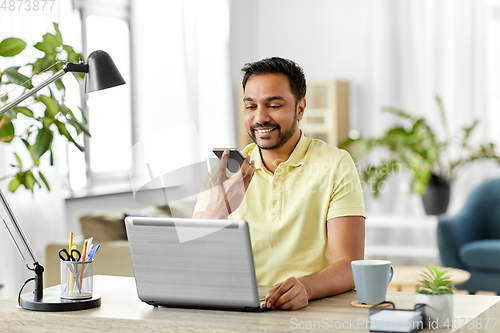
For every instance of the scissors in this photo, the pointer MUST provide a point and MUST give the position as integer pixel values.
(64, 255)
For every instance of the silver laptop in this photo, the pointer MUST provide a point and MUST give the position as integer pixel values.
(194, 263)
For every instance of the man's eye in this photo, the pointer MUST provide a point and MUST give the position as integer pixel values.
(249, 107)
(275, 106)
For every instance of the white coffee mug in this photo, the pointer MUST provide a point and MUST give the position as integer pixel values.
(371, 278)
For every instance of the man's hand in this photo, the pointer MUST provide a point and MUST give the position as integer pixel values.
(226, 194)
(290, 294)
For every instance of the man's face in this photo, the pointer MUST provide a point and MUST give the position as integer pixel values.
(271, 112)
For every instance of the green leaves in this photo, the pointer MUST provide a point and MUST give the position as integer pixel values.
(15, 77)
(7, 130)
(42, 143)
(414, 146)
(73, 57)
(64, 132)
(39, 123)
(467, 132)
(435, 282)
(24, 110)
(26, 179)
(14, 184)
(42, 177)
(10, 47)
(53, 48)
(51, 106)
(51, 42)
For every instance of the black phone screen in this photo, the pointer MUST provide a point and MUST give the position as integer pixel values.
(235, 159)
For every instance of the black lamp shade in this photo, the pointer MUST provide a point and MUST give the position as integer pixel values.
(102, 73)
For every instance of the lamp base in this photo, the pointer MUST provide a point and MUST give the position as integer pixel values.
(53, 302)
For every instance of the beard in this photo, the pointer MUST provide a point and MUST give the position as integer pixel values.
(283, 137)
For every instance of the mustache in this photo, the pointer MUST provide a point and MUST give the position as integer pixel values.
(268, 124)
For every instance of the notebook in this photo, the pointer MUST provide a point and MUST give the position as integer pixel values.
(194, 263)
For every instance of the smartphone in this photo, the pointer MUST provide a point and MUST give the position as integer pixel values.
(235, 159)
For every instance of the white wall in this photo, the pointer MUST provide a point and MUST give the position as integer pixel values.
(397, 53)
(327, 38)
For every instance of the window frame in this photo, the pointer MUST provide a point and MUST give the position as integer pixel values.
(118, 9)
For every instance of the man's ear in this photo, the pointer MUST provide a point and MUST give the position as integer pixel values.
(301, 105)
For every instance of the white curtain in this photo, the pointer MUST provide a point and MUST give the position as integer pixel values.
(420, 48)
(181, 52)
(182, 84)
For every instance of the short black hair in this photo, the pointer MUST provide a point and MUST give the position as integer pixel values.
(276, 65)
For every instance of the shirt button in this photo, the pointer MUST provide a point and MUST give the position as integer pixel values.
(275, 202)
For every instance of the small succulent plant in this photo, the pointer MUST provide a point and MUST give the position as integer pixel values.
(436, 282)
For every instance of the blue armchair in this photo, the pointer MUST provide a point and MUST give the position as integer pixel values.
(471, 239)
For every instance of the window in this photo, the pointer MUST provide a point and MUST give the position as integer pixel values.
(109, 110)
(176, 47)
(492, 70)
(108, 157)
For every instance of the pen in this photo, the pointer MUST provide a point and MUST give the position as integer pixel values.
(93, 251)
(91, 248)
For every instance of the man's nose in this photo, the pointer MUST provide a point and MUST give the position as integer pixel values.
(261, 115)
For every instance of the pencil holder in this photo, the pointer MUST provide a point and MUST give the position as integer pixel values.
(76, 279)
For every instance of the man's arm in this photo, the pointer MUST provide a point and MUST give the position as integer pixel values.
(346, 242)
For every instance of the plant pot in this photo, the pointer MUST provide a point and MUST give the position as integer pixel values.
(436, 196)
(438, 310)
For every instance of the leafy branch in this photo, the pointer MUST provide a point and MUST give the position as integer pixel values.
(413, 146)
(55, 119)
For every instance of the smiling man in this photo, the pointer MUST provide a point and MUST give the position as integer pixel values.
(301, 197)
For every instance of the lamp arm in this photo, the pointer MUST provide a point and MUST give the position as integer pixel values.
(70, 67)
(19, 232)
(32, 91)
(37, 268)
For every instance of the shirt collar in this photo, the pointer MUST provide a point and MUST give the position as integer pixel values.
(296, 157)
(299, 152)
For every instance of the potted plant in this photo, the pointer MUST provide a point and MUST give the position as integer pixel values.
(437, 295)
(413, 146)
(44, 116)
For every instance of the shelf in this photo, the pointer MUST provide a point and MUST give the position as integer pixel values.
(401, 222)
(416, 247)
(401, 251)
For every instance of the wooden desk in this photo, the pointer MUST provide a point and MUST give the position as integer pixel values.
(122, 311)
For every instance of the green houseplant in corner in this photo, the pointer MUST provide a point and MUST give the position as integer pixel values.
(414, 146)
(437, 295)
(39, 119)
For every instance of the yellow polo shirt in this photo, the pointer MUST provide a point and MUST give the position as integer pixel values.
(287, 211)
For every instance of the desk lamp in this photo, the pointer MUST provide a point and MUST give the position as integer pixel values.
(101, 73)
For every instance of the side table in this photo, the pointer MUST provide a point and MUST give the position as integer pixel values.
(406, 278)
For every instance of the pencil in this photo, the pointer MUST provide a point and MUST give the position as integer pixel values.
(83, 259)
